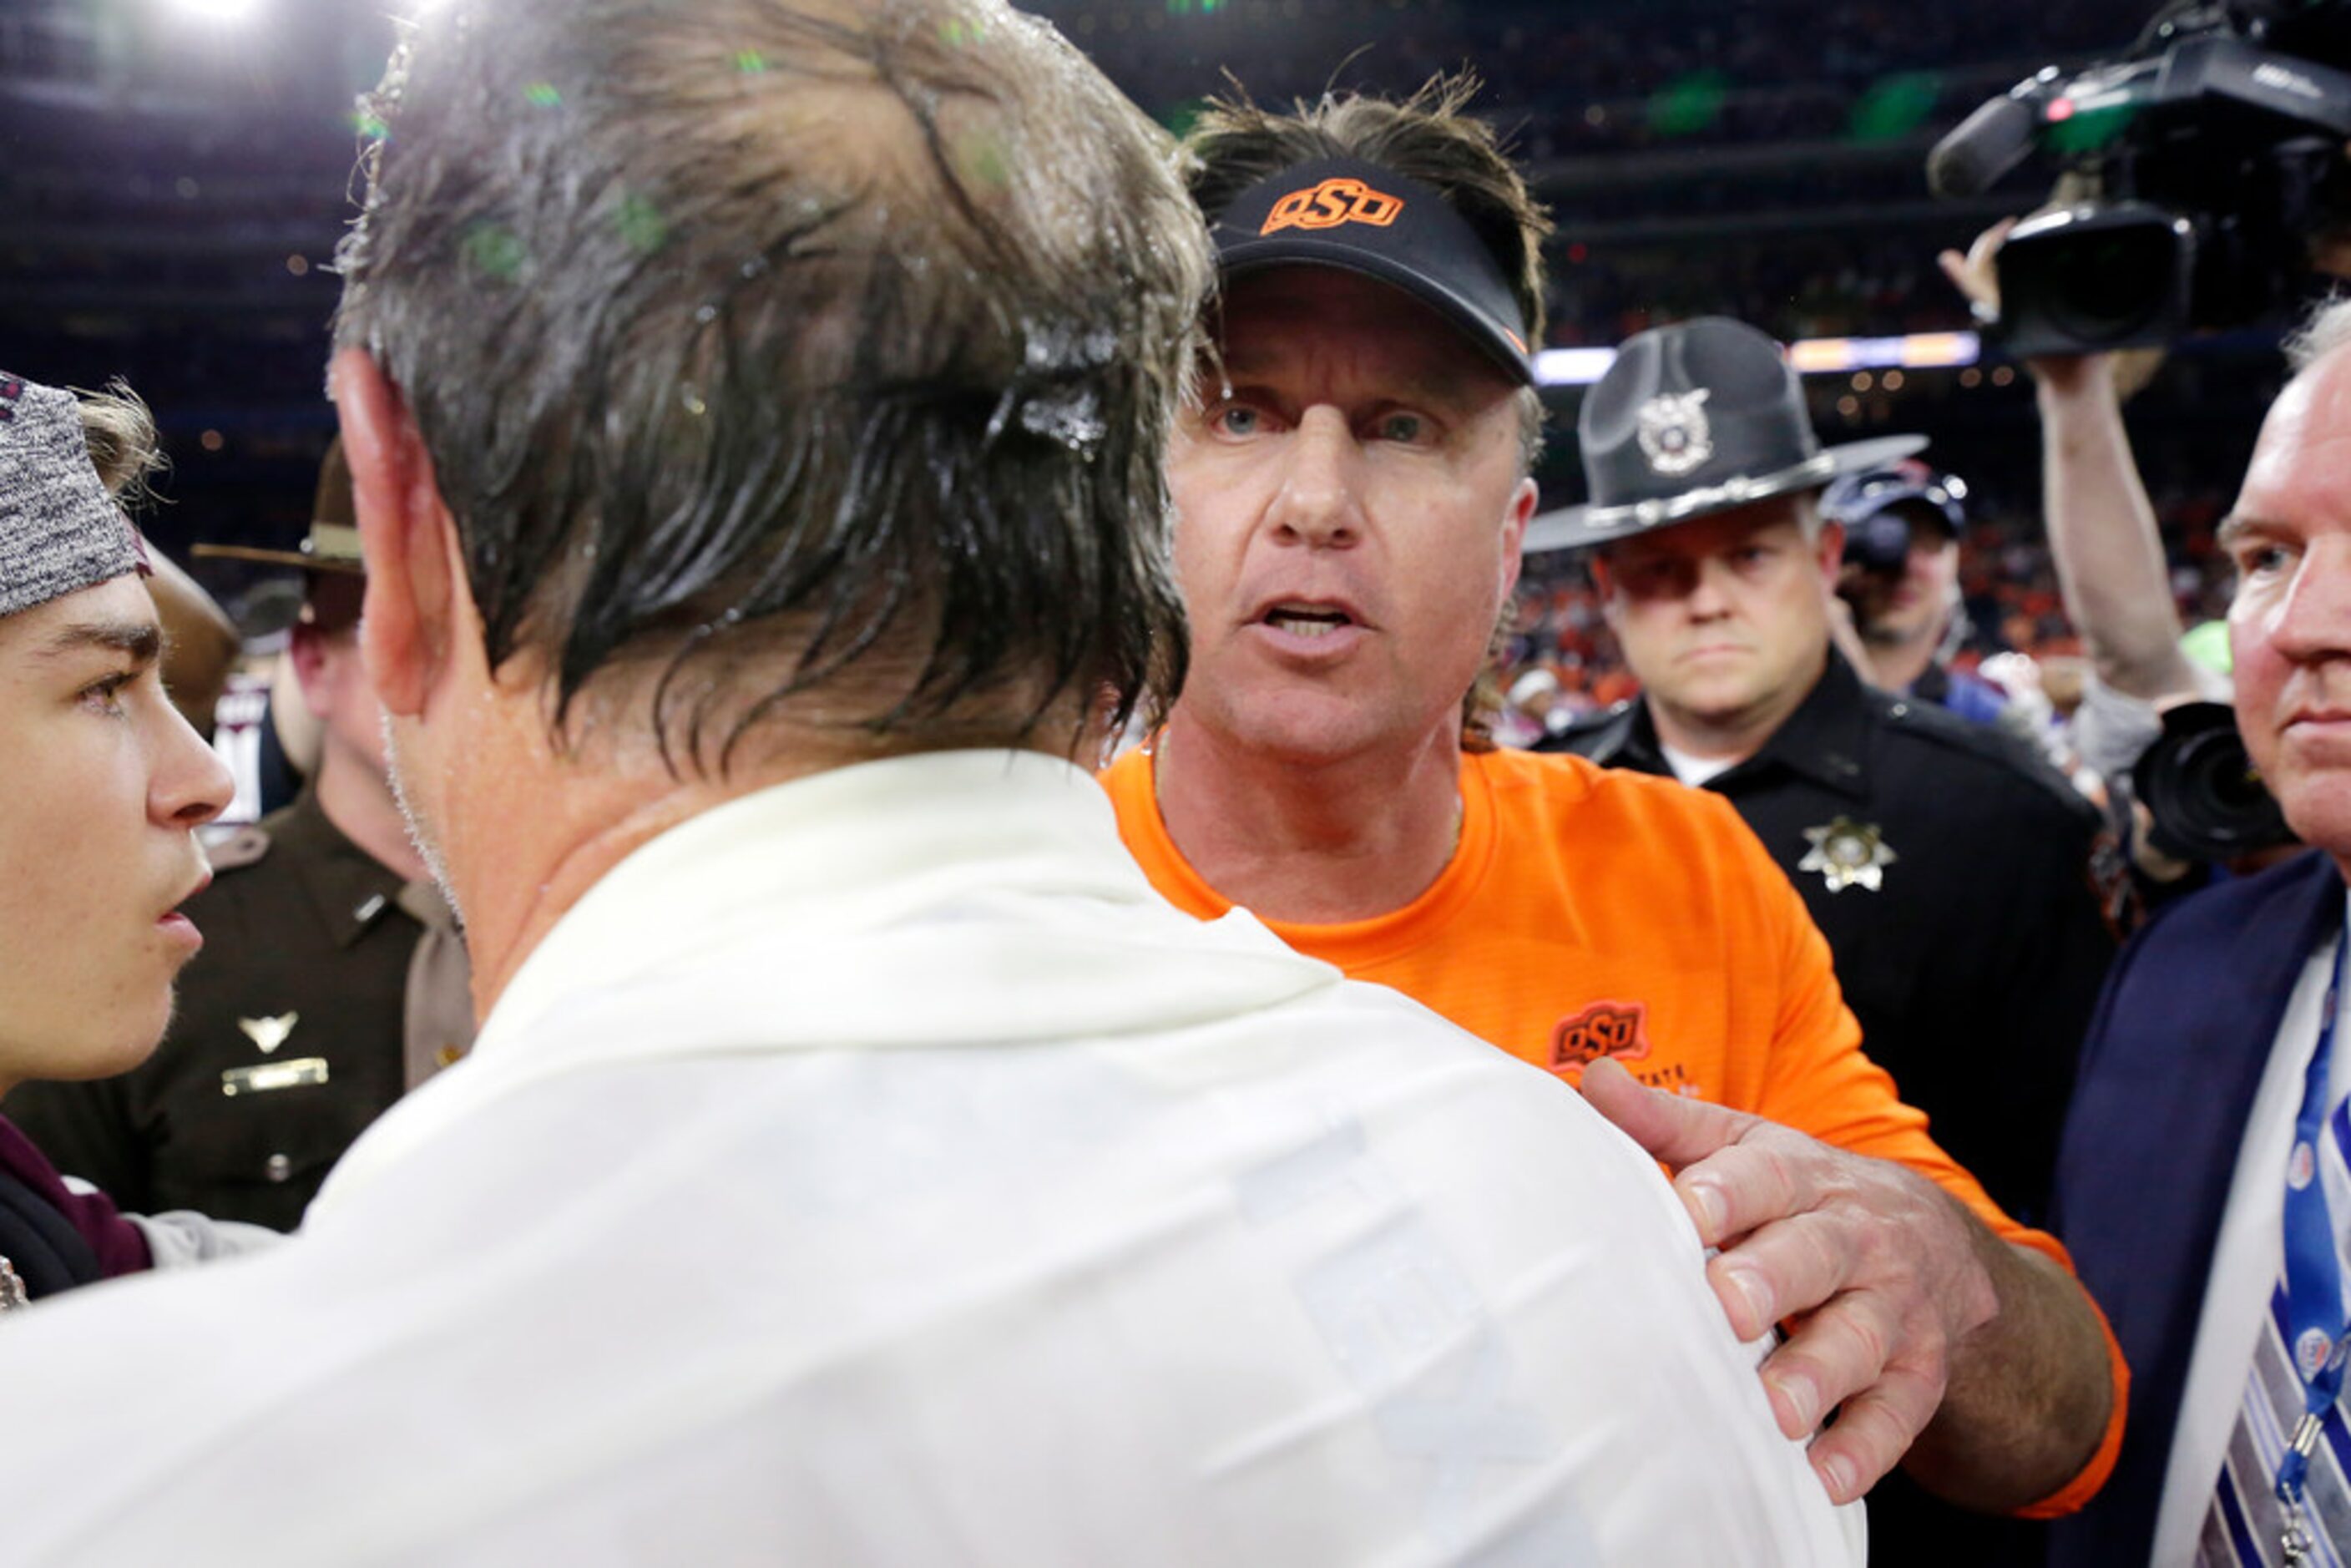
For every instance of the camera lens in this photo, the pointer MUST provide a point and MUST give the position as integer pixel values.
(2105, 287)
(2200, 785)
(1879, 542)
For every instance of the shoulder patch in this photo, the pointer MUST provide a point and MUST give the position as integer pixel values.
(242, 848)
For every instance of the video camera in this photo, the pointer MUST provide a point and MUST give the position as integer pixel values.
(2215, 148)
(2207, 801)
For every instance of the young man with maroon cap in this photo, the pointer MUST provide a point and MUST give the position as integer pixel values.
(104, 789)
(1351, 491)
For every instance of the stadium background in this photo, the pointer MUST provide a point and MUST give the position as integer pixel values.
(174, 175)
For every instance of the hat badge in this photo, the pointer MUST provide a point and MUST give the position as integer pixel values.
(1673, 432)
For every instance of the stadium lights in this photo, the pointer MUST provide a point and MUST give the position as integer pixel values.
(1811, 356)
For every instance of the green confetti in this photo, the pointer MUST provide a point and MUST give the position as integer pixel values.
(1690, 104)
(543, 94)
(371, 126)
(641, 225)
(495, 250)
(751, 62)
(985, 163)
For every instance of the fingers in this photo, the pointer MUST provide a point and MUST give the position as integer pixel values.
(1765, 1177)
(1987, 246)
(1671, 1127)
(1783, 1270)
(1974, 274)
(1835, 1354)
(1873, 1431)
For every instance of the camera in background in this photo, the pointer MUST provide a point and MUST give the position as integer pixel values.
(2215, 150)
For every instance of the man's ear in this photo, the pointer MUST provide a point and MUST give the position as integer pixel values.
(1831, 548)
(408, 626)
(1514, 532)
(1603, 584)
(305, 655)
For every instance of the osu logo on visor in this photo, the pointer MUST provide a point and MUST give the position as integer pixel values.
(1334, 202)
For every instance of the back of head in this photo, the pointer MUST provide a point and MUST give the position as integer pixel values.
(812, 356)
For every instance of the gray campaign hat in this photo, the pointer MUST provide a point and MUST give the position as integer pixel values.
(60, 532)
(1694, 419)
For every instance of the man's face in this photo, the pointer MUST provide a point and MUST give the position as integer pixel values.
(1349, 506)
(1917, 603)
(103, 789)
(1723, 616)
(333, 674)
(2289, 623)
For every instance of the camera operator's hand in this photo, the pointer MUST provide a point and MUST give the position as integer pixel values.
(1975, 275)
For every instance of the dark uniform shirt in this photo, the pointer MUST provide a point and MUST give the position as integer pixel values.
(1951, 870)
(286, 1041)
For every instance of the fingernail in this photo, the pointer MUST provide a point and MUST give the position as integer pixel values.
(1802, 1399)
(1755, 1293)
(1839, 1474)
(1710, 1207)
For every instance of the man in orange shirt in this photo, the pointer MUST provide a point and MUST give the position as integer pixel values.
(1351, 493)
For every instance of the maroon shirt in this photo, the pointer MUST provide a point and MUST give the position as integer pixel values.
(117, 1243)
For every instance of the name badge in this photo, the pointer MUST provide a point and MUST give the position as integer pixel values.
(266, 1076)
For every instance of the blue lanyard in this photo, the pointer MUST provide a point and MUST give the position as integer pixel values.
(2317, 1334)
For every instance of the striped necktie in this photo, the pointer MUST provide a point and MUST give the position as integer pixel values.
(2246, 1523)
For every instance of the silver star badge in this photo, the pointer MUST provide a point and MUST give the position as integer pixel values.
(1848, 854)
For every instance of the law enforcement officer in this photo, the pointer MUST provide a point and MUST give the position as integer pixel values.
(335, 979)
(1948, 868)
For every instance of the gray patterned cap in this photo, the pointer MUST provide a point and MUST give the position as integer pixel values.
(60, 532)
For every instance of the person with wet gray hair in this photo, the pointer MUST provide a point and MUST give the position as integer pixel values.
(754, 418)
(793, 343)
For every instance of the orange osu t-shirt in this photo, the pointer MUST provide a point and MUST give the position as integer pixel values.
(1592, 912)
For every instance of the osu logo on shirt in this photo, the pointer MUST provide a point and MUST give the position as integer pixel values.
(1335, 201)
(1604, 1029)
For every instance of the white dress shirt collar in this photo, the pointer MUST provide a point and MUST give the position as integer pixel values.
(910, 857)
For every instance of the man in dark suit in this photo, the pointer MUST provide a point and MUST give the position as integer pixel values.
(2202, 1184)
